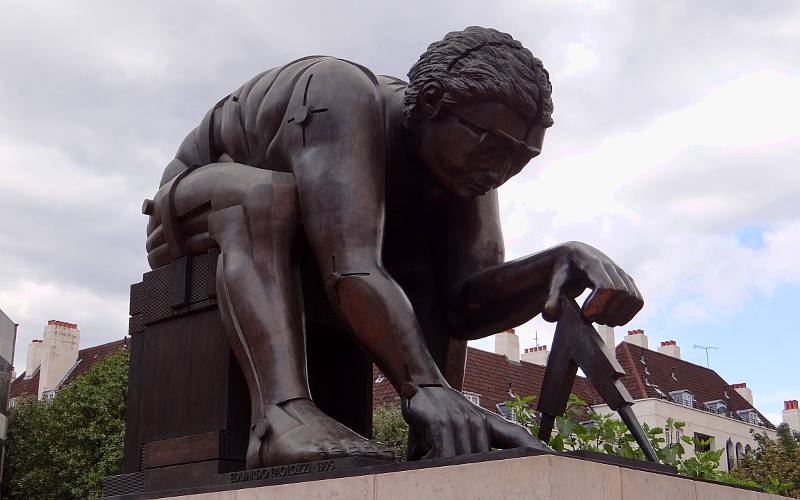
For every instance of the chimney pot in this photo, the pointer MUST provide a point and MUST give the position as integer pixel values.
(637, 337)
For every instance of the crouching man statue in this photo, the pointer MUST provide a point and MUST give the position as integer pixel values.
(393, 186)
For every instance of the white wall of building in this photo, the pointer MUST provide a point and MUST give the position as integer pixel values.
(34, 358)
(60, 345)
(507, 344)
(791, 415)
(537, 355)
(655, 412)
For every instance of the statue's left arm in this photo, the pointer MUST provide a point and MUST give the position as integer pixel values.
(486, 295)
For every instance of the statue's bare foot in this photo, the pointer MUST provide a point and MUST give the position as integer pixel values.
(297, 431)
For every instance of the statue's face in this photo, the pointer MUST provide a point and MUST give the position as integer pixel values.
(471, 149)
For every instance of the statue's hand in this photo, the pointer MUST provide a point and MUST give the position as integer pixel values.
(614, 300)
(451, 425)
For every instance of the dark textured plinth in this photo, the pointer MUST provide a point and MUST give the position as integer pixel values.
(188, 414)
(308, 471)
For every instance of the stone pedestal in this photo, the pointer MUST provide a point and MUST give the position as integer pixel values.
(513, 474)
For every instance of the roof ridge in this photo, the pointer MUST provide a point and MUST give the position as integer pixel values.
(636, 375)
(681, 360)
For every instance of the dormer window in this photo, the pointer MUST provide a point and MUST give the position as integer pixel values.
(750, 416)
(717, 406)
(506, 412)
(472, 397)
(683, 397)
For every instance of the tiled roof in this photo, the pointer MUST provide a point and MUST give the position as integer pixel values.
(86, 359)
(21, 386)
(490, 376)
(650, 372)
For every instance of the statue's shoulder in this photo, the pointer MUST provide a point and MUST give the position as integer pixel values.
(274, 86)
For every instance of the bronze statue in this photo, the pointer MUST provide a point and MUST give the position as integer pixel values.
(392, 186)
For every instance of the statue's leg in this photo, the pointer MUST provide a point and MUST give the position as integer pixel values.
(253, 217)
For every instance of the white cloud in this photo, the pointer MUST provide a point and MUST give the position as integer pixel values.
(579, 58)
(666, 201)
(675, 127)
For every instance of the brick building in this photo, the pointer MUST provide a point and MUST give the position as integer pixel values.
(662, 384)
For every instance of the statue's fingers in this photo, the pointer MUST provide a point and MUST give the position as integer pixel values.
(462, 434)
(505, 434)
(480, 437)
(617, 307)
(634, 301)
(418, 445)
(440, 437)
(552, 307)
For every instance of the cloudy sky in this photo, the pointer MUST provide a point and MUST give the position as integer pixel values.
(675, 149)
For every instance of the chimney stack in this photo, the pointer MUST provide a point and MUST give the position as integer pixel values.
(34, 358)
(59, 353)
(637, 337)
(670, 348)
(607, 334)
(791, 415)
(744, 391)
(536, 355)
(507, 344)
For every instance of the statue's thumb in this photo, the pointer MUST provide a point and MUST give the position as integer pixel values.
(552, 308)
(408, 389)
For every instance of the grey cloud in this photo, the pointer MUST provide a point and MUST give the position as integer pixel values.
(112, 88)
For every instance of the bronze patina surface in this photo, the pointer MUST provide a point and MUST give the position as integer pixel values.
(392, 188)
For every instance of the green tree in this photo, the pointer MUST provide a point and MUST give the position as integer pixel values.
(389, 428)
(775, 464)
(64, 448)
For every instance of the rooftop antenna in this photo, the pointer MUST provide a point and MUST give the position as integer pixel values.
(536, 333)
(706, 347)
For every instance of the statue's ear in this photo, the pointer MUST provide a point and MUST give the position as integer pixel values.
(430, 99)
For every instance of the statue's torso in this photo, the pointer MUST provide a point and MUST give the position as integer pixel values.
(247, 127)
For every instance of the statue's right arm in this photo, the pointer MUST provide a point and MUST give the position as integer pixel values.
(340, 179)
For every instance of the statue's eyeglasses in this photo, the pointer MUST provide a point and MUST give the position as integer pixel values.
(496, 137)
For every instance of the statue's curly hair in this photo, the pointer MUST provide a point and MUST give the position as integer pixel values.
(483, 64)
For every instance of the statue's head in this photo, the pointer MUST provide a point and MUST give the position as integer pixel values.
(479, 102)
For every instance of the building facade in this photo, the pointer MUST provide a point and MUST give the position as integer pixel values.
(56, 359)
(666, 386)
(8, 338)
(662, 384)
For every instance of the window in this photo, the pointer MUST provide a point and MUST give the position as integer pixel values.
(472, 397)
(718, 406)
(48, 395)
(750, 416)
(506, 412)
(703, 442)
(684, 398)
(672, 436)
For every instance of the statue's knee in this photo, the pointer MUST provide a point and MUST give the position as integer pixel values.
(228, 227)
(273, 200)
(342, 286)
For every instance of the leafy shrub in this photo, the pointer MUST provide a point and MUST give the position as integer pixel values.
(63, 448)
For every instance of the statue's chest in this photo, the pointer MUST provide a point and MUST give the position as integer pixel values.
(409, 237)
